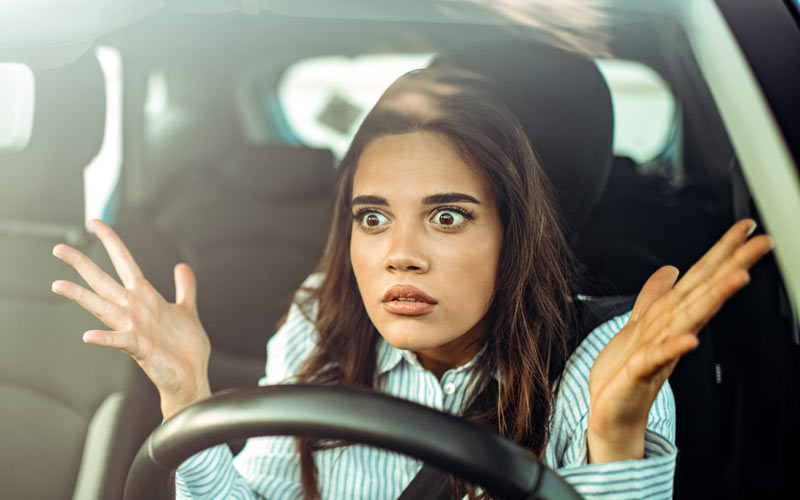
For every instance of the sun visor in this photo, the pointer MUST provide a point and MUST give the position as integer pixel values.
(52, 33)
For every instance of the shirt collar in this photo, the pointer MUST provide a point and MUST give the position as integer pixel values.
(389, 357)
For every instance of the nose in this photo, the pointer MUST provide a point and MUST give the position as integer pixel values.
(406, 251)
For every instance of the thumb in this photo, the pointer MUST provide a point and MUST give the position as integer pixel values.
(659, 283)
(185, 286)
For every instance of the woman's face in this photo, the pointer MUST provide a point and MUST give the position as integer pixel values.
(425, 246)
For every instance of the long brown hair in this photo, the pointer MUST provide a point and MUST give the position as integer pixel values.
(528, 340)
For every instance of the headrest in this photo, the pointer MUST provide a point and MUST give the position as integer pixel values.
(44, 181)
(563, 103)
(279, 171)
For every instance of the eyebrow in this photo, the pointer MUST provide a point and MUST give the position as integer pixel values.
(370, 200)
(434, 199)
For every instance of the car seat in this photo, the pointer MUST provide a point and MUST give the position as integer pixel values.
(568, 119)
(252, 228)
(71, 419)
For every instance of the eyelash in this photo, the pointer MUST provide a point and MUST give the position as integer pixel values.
(358, 217)
(360, 213)
(467, 214)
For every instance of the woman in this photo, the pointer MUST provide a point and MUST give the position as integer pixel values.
(445, 274)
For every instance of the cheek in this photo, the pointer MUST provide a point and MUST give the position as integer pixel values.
(355, 255)
(471, 270)
(361, 258)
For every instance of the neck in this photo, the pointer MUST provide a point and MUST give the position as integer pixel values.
(436, 366)
(455, 353)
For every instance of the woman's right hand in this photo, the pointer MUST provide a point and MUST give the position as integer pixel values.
(166, 340)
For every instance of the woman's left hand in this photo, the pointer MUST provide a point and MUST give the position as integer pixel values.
(628, 374)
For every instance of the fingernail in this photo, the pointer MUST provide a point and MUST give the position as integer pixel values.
(55, 287)
(54, 252)
(771, 243)
(752, 229)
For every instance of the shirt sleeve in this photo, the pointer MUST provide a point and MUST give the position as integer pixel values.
(648, 478)
(267, 467)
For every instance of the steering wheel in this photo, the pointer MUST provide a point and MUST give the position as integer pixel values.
(447, 442)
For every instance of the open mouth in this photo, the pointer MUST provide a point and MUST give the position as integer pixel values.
(406, 300)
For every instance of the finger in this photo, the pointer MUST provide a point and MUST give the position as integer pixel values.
(109, 313)
(118, 340)
(659, 283)
(660, 355)
(100, 282)
(698, 312)
(185, 286)
(746, 255)
(715, 256)
(126, 267)
(741, 260)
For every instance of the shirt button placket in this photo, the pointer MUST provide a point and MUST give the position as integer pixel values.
(450, 400)
(433, 392)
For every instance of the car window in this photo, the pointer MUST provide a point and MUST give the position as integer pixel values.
(102, 174)
(156, 100)
(794, 5)
(17, 104)
(644, 109)
(324, 99)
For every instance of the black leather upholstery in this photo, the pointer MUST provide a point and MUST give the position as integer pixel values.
(569, 119)
(252, 228)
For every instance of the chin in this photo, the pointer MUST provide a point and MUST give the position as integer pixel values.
(410, 336)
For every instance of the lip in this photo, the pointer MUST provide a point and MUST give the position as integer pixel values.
(425, 305)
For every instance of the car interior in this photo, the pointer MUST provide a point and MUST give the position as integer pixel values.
(67, 409)
(223, 180)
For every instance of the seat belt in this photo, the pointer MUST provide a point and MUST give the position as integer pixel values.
(431, 483)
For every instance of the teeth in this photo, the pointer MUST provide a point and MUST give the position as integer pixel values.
(404, 299)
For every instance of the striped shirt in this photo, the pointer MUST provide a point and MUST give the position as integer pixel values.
(268, 467)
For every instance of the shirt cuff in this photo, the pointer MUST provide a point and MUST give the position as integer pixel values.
(650, 478)
(206, 474)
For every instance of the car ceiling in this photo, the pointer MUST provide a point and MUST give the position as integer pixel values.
(222, 37)
(46, 33)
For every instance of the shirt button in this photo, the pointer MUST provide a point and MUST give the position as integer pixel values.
(449, 388)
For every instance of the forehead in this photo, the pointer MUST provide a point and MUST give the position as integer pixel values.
(416, 164)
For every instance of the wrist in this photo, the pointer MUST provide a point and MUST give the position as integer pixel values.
(172, 403)
(615, 442)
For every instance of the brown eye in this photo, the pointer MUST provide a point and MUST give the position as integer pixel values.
(370, 220)
(446, 219)
(449, 218)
